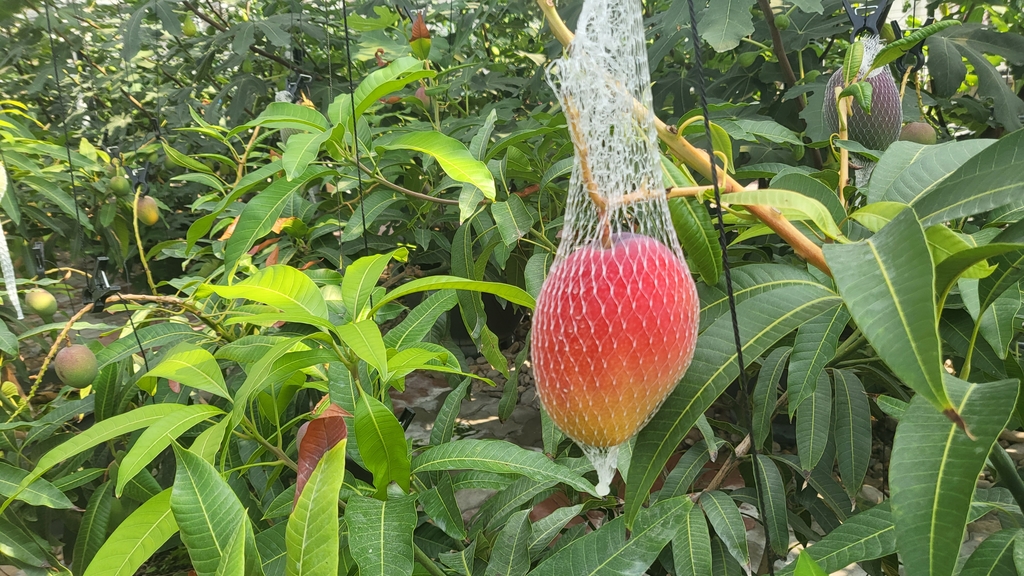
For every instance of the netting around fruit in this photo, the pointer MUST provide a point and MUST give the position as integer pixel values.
(6, 265)
(616, 319)
(880, 128)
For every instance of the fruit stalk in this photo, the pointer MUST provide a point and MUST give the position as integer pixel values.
(138, 239)
(844, 154)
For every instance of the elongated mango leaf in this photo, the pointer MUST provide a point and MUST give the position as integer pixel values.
(361, 277)
(163, 334)
(420, 320)
(365, 340)
(260, 213)
(158, 437)
(806, 566)
(288, 115)
(40, 493)
(279, 286)
(440, 505)
(206, 510)
(766, 392)
(192, 366)
(496, 456)
(136, 539)
(725, 517)
(300, 150)
(93, 531)
(18, 544)
(256, 377)
(511, 553)
(376, 85)
(380, 534)
(909, 171)
(994, 557)
(512, 218)
(793, 205)
(698, 237)
(544, 530)
(888, 284)
(312, 539)
(952, 268)
(453, 156)
(382, 444)
(934, 468)
(773, 489)
(852, 430)
(99, 433)
(864, 536)
(764, 320)
(314, 439)
(511, 293)
(691, 547)
(814, 347)
(814, 423)
(979, 185)
(607, 551)
(749, 281)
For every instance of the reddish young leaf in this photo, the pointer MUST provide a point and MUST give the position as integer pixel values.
(419, 28)
(314, 439)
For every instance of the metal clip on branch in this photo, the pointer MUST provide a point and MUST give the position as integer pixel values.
(867, 16)
(917, 52)
(99, 287)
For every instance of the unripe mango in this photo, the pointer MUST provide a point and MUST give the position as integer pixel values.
(614, 330)
(119, 186)
(188, 28)
(782, 22)
(149, 213)
(919, 132)
(41, 302)
(76, 366)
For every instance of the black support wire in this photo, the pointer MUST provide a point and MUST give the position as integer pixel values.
(726, 268)
(355, 135)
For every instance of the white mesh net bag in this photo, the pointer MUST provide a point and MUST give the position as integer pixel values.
(616, 319)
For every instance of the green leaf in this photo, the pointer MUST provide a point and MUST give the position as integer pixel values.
(864, 536)
(364, 339)
(379, 83)
(793, 205)
(158, 437)
(691, 547)
(773, 489)
(361, 278)
(511, 553)
(698, 237)
(382, 445)
(749, 281)
(256, 378)
(380, 534)
(192, 366)
(814, 347)
(934, 468)
(301, 149)
(952, 268)
(312, 539)
(544, 530)
(725, 22)
(888, 284)
(136, 539)
(39, 493)
(686, 470)
(97, 434)
(206, 510)
(417, 324)
(207, 444)
(280, 286)
(994, 557)
(444, 425)
(728, 523)
(806, 566)
(513, 219)
(440, 505)
(497, 456)
(909, 171)
(59, 198)
(184, 160)
(875, 216)
(813, 423)
(163, 334)
(764, 320)
(896, 49)
(511, 293)
(851, 63)
(453, 156)
(608, 551)
(288, 115)
(979, 185)
(93, 530)
(852, 430)
(861, 92)
(260, 213)
(766, 392)
(463, 561)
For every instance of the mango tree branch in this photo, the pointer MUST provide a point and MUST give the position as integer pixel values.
(699, 161)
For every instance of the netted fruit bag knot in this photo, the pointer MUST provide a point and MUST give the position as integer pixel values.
(616, 319)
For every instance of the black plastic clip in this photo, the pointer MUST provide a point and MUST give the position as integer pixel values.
(406, 417)
(867, 15)
(295, 88)
(99, 287)
(137, 177)
(39, 255)
(917, 52)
